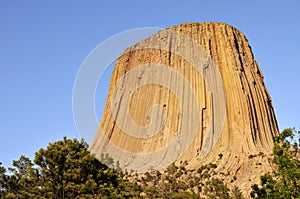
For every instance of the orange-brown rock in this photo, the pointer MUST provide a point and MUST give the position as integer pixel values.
(150, 104)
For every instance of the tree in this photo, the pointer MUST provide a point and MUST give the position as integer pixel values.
(20, 181)
(2, 179)
(65, 169)
(216, 188)
(169, 185)
(237, 193)
(285, 181)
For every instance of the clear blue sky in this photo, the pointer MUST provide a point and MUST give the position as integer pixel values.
(43, 43)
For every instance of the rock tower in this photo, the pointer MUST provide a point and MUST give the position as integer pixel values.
(188, 93)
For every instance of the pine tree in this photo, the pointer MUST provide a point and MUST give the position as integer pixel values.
(65, 169)
(285, 181)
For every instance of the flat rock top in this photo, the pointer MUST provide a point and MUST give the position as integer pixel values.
(189, 92)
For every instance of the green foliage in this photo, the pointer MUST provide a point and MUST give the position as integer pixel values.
(22, 176)
(65, 169)
(168, 185)
(237, 193)
(285, 182)
(2, 179)
(216, 188)
(184, 195)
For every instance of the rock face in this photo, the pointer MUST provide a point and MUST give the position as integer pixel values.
(196, 85)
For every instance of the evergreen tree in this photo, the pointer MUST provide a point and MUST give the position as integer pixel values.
(285, 181)
(65, 169)
(216, 188)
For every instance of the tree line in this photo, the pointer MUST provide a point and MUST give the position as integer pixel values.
(66, 169)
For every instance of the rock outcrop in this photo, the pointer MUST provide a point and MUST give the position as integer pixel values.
(190, 92)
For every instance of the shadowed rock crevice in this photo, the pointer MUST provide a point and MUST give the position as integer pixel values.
(249, 121)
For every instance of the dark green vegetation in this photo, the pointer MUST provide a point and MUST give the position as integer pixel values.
(284, 182)
(178, 182)
(66, 169)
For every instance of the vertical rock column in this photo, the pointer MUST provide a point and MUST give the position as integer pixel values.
(249, 123)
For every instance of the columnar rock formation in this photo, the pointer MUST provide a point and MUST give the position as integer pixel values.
(232, 114)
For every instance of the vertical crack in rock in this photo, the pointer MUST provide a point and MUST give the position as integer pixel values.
(249, 122)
